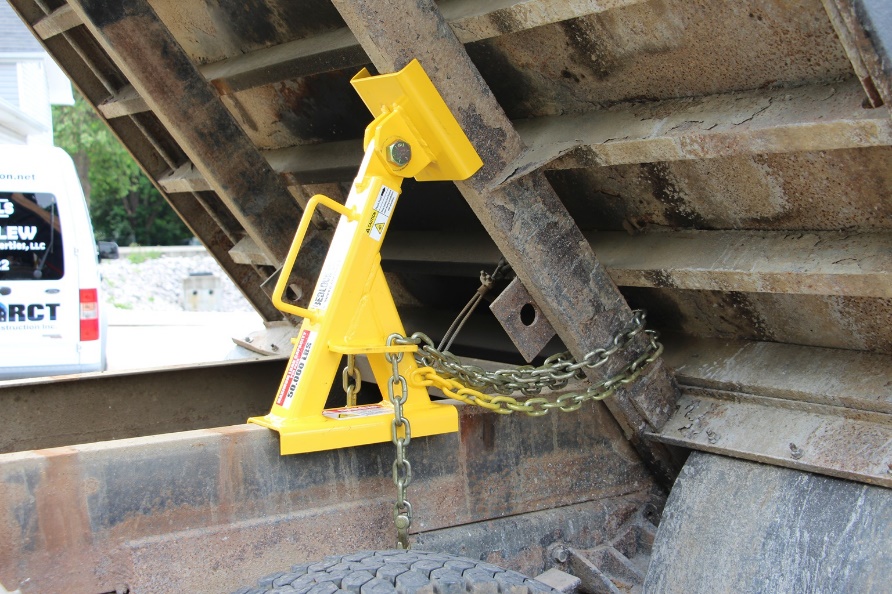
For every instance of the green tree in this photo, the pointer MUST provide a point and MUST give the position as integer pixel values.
(124, 205)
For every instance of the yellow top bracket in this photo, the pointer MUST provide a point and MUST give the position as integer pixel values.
(407, 109)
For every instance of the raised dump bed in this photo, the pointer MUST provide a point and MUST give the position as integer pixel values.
(725, 166)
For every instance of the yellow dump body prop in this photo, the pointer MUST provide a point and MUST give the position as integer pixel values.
(352, 310)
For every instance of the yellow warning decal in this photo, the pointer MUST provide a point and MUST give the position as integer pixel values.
(381, 212)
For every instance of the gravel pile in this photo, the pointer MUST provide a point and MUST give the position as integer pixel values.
(154, 282)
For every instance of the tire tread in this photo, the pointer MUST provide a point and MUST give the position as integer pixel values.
(397, 572)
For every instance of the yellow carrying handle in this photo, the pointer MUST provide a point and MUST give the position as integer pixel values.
(282, 282)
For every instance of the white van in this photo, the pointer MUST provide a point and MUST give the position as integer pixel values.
(49, 274)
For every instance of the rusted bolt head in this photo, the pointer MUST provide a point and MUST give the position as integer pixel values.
(399, 153)
(560, 554)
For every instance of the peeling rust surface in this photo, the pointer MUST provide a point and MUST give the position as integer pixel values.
(648, 51)
(212, 31)
(828, 190)
(308, 110)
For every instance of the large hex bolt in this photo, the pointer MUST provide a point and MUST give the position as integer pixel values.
(399, 153)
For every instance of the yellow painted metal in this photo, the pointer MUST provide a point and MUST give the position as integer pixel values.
(408, 107)
(352, 310)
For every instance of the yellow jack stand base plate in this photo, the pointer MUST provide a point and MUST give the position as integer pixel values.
(354, 426)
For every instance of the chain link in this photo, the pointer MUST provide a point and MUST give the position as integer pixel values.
(474, 385)
(402, 469)
(351, 379)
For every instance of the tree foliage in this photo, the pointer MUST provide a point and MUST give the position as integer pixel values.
(124, 205)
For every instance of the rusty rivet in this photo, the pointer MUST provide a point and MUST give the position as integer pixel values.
(399, 153)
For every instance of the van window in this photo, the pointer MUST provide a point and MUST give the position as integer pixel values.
(30, 237)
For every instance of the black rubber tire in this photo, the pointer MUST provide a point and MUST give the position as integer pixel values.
(400, 572)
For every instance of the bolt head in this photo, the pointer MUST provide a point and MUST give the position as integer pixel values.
(399, 153)
(560, 554)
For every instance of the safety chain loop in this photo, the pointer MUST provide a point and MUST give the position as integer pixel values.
(351, 379)
(474, 385)
(402, 469)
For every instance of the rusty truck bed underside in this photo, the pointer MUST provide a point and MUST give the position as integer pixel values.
(725, 166)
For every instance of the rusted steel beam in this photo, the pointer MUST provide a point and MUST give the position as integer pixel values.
(60, 20)
(526, 219)
(57, 412)
(472, 21)
(141, 511)
(811, 118)
(156, 65)
(865, 31)
(813, 263)
(124, 102)
(828, 440)
(847, 39)
(307, 164)
(819, 263)
(843, 378)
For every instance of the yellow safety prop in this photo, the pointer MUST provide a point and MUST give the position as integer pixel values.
(352, 310)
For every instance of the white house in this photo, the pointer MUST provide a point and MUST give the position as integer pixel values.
(29, 83)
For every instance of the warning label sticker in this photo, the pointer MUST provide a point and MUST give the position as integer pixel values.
(381, 212)
(295, 368)
(352, 412)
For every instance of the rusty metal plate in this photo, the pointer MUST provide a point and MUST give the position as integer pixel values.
(829, 440)
(522, 319)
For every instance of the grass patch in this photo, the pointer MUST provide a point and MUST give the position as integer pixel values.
(140, 257)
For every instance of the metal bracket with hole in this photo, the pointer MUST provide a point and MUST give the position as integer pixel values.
(522, 319)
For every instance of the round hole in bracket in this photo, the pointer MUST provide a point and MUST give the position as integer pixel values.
(528, 314)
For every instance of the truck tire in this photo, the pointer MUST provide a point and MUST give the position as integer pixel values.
(397, 572)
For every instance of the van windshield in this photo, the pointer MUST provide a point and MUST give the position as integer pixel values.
(30, 237)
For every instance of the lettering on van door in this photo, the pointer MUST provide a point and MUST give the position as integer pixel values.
(28, 316)
(19, 238)
(6, 208)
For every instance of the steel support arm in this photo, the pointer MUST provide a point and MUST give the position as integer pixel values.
(525, 218)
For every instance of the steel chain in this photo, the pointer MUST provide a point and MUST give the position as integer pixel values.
(469, 383)
(402, 469)
(463, 382)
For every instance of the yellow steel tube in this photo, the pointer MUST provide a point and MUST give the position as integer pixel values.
(287, 267)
